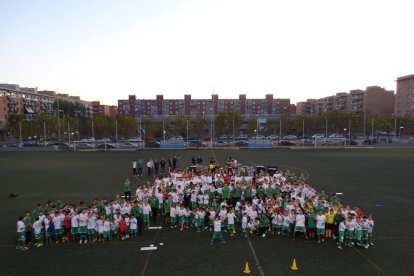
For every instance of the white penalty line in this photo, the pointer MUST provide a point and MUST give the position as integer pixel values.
(255, 257)
(148, 248)
(155, 227)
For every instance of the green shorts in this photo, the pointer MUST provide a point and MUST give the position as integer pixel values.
(320, 231)
(145, 218)
(217, 235)
(181, 219)
(21, 236)
(300, 229)
(82, 229)
(285, 228)
(107, 234)
(341, 236)
(230, 226)
(90, 231)
(38, 236)
(74, 230)
(58, 231)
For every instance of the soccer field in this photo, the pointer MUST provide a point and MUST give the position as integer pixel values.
(379, 181)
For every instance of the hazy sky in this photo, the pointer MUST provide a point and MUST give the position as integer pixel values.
(105, 49)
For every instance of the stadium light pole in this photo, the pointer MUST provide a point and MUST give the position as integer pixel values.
(211, 127)
(60, 140)
(77, 122)
(303, 131)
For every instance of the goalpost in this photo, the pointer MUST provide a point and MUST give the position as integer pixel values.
(330, 143)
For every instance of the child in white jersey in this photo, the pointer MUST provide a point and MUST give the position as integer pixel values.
(217, 231)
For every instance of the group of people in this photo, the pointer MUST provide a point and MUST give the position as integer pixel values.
(155, 167)
(282, 204)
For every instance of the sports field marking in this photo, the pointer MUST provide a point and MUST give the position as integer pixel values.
(255, 257)
(371, 262)
(148, 248)
(144, 269)
(88, 244)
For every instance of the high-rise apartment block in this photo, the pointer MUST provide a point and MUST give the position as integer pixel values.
(29, 101)
(187, 106)
(374, 100)
(404, 100)
(99, 109)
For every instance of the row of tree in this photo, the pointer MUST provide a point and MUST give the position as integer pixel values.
(225, 123)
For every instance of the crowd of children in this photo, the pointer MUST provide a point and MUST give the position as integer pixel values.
(281, 204)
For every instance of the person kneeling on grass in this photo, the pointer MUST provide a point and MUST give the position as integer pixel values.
(217, 231)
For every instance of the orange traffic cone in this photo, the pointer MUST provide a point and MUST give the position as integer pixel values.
(246, 269)
(294, 266)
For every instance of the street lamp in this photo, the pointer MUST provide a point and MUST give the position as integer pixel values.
(255, 134)
(401, 130)
(59, 110)
(164, 136)
(211, 127)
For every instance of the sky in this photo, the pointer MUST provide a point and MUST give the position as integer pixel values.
(106, 50)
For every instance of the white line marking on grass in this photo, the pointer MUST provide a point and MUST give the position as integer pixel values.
(148, 248)
(155, 227)
(255, 257)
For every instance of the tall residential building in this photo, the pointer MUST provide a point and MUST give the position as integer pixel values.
(188, 106)
(404, 100)
(99, 109)
(374, 100)
(29, 101)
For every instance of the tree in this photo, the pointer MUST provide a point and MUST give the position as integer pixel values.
(228, 122)
(152, 127)
(198, 125)
(127, 126)
(13, 124)
(181, 125)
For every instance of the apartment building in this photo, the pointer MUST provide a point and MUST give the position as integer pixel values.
(374, 100)
(188, 106)
(404, 100)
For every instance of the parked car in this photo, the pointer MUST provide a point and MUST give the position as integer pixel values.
(152, 144)
(88, 140)
(106, 146)
(241, 143)
(220, 143)
(272, 137)
(351, 142)
(318, 136)
(242, 137)
(259, 137)
(135, 139)
(64, 146)
(288, 143)
(84, 146)
(193, 138)
(196, 144)
(290, 137)
(129, 145)
(336, 135)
